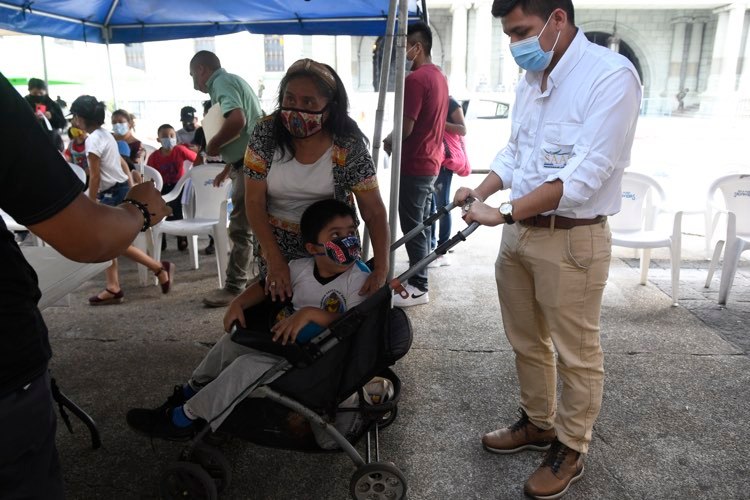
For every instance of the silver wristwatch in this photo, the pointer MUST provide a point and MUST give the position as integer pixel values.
(506, 210)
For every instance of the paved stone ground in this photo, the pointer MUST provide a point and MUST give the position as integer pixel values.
(672, 424)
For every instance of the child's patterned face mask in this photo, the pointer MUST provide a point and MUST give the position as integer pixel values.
(342, 251)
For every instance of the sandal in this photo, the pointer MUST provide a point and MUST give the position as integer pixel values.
(115, 299)
(167, 267)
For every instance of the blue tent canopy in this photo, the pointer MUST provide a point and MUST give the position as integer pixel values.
(135, 21)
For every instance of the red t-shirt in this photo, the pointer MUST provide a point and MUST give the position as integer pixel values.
(425, 102)
(171, 166)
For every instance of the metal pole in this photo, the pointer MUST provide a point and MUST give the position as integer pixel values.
(44, 62)
(111, 75)
(385, 69)
(398, 120)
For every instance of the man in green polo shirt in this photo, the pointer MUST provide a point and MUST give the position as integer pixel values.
(241, 110)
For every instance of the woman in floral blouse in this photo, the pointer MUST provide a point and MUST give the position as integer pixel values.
(309, 149)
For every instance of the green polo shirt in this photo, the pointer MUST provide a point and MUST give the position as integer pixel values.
(232, 92)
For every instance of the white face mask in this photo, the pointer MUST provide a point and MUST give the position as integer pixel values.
(120, 128)
(168, 142)
(409, 62)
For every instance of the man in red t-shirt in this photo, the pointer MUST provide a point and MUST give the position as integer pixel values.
(425, 112)
(170, 160)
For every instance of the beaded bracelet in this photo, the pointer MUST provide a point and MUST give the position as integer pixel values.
(144, 211)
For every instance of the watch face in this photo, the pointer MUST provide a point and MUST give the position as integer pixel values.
(506, 209)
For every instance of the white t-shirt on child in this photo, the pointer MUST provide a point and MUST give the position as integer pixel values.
(102, 144)
(337, 295)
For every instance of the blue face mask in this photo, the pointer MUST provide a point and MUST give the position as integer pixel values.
(120, 128)
(529, 55)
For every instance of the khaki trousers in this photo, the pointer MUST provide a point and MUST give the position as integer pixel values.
(550, 283)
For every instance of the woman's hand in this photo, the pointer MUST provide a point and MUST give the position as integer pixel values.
(278, 281)
(374, 281)
(234, 313)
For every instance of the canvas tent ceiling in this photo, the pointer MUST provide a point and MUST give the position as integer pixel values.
(135, 21)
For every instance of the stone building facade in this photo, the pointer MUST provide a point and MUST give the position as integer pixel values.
(701, 46)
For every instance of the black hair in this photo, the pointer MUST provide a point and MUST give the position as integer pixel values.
(206, 106)
(339, 123)
(97, 120)
(37, 83)
(320, 214)
(540, 8)
(424, 34)
(162, 127)
(206, 58)
(128, 116)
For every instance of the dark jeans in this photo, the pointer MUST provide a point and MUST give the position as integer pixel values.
(414, 202)
(441, 198)
(114, 195)
(29, 466)
(176, 204)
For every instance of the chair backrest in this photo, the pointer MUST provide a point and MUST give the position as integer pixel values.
(735, 192)
(150, 173)
(207, 197)
(149, 149)
(81, 173)
(638, 204)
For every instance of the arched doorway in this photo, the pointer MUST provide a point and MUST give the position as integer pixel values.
(601, 38)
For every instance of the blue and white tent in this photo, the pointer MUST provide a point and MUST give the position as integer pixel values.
(135, 21)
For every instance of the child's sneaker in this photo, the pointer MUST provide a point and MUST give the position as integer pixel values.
(416, 297)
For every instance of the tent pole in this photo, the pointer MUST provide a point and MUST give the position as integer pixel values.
(398, 120)
(377, 138)
(44, 62)
(111, 75)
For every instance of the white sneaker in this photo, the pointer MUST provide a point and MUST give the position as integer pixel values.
(441, 261)
(416, 297)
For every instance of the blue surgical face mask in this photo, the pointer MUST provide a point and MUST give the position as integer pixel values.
(529, 54)
(168, 142)
(120, 128)
(342, 251)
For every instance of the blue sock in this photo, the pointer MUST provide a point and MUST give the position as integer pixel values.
(179, 418)
(188, 391)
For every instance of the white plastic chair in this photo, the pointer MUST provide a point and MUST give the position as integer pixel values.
(735, 190)
(209, 216)
(635, 225)
(145, 241)
(80, 173)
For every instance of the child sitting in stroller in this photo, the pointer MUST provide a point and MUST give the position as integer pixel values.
(324, 286)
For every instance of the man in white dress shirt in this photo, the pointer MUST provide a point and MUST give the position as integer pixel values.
(572, 130)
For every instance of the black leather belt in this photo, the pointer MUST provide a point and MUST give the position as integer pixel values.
(559, 222)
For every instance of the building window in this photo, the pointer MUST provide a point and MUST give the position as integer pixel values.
(208, 44)
(274, 53)
(134, 56)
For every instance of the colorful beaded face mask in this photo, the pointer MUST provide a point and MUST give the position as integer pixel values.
(301, 123)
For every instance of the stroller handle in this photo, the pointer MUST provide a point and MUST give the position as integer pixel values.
(444, 210)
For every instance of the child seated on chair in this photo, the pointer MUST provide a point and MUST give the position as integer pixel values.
(76, 150)
(170, 160)
(324, 286)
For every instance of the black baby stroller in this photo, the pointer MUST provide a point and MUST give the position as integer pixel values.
(304, 405)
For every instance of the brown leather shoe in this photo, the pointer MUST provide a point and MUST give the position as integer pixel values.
(523, 435)
(561, 467)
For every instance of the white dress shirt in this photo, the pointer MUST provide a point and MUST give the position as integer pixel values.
(580, 130)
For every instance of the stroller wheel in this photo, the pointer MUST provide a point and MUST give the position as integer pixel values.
(388, 418)
(378, 481)
(185, 480)
(214, 463)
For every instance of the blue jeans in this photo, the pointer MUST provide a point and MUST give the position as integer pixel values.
(440, 198)
(414, 202)
(114, 195)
